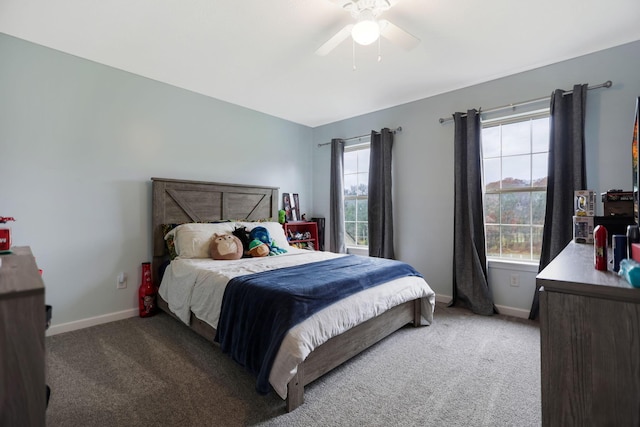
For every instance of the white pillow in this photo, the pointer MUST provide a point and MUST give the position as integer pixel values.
(192, 240)
(275, 229)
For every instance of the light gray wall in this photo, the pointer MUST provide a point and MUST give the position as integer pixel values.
(423, 154)
(79, 143)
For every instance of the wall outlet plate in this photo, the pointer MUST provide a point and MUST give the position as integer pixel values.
(121, 281)
(515, 280)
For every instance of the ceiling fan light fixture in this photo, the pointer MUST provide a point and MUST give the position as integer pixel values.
(367, 30)
(367, 27)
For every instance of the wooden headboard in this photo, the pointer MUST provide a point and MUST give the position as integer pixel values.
(179, 201)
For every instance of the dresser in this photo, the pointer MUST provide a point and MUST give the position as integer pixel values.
(22, 329)
(589, 343)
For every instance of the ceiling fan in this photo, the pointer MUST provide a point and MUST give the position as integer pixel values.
(368, 28)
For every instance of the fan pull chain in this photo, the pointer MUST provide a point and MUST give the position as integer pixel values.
(353, 53)
(379, 51)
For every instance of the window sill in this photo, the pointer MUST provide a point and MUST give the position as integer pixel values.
(358, 250)
(517, 265)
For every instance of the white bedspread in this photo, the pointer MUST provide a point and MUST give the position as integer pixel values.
(198, 285)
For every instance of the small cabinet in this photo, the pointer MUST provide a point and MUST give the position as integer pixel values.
(302, 234)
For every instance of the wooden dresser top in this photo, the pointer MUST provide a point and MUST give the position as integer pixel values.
(572, 271)
(19, 273)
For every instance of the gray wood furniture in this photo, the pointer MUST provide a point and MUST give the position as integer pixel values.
(589, 342)
(180, 201)
(22, 326)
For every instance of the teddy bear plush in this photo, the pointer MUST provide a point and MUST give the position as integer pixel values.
(225, 247)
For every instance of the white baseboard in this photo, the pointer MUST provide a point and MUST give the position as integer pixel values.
(112, 317)
(92, 321)
(511, 311)
(503, 309)
(445, 299)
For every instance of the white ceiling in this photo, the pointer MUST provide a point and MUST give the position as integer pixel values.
(260, 53)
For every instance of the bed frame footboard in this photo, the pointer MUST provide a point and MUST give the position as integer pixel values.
(343, 347)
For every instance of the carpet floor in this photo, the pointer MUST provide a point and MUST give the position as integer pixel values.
(463, 370)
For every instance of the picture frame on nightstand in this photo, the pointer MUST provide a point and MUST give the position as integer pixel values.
(296, 207)
(290, 204)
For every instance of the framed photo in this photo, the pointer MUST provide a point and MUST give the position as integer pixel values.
(290, 206)
(296, 207)
(286, 205)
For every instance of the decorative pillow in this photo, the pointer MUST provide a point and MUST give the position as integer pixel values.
(192, 240)
(226, 247)
(169, 240)
(275, 231)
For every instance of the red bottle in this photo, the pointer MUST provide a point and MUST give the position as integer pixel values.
(5, 234)
(600, 247)
(146, 293)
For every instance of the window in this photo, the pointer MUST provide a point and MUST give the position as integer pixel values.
(356, 193)
(514, 167)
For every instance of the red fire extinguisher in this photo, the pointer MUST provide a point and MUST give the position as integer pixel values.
(146, 293)
(600, 247)
(5, 234)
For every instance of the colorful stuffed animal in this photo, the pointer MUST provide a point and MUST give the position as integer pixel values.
(262, 234)
(258, 248)
(242, 234)
(225, 247)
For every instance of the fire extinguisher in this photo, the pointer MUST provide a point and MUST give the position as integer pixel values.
(5, 234)
(147, 292)
(600, 247)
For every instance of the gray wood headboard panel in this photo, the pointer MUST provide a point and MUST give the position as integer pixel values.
(180, 201)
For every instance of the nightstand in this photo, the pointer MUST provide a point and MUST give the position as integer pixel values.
(302, 234)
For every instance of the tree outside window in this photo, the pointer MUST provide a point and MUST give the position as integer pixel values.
(356, 193)
(515, 152)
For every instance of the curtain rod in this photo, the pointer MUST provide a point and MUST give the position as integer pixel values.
(606, 84)
(398, 129)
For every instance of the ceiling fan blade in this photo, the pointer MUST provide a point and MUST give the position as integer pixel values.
(334, 41)
(397, 35)
(342, 3)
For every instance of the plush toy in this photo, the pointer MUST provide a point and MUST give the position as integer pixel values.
(275, 250)
(258, 248)
(242, 234)
(262, 234)
(225, 247)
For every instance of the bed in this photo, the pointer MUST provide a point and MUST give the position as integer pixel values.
(406, 300)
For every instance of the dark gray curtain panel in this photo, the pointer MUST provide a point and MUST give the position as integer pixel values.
(470, 285)
(380, 215)
(336, 198)
(566, 174)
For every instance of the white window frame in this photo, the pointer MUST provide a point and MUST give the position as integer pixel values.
(362, 144)
(504, 120)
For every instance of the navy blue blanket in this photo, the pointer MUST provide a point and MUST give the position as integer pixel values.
(258, 309)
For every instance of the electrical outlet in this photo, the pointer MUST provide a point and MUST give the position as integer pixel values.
(121, 281)
(515, 280)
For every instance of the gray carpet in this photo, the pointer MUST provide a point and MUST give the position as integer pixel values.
(464, 370)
